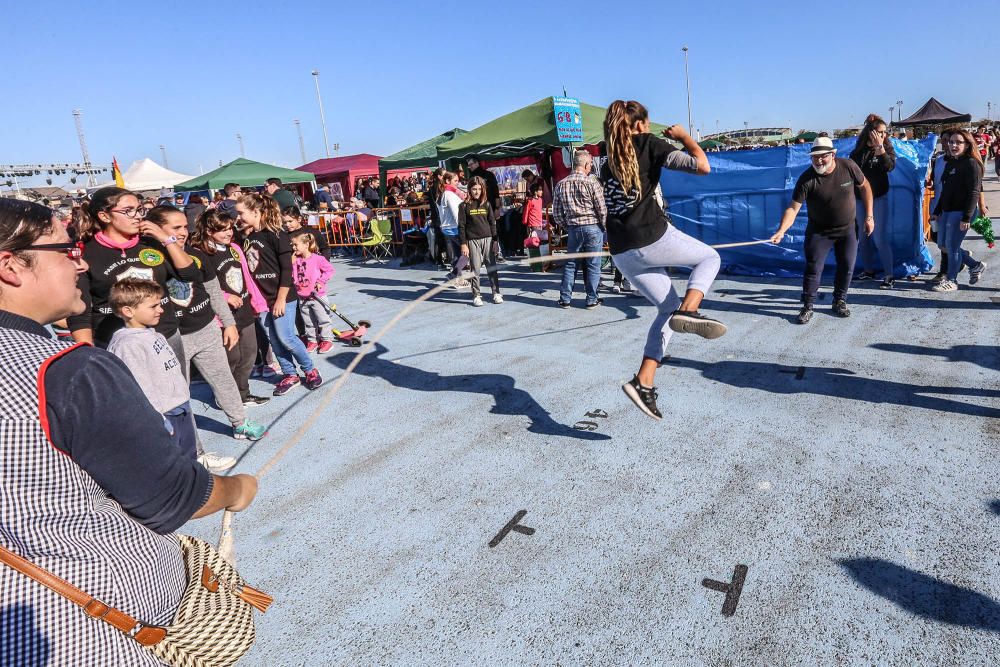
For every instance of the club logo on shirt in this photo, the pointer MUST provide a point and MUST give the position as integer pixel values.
(236, 255)
(234, 280)
(253, 259)
(150, 257)
(197, 262)
(136, 273)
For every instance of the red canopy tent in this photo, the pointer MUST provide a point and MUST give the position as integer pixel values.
(344, 170)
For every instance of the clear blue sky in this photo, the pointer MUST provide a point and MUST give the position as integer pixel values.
(192, 75)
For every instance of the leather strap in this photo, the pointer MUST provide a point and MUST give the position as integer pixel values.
(147, 635)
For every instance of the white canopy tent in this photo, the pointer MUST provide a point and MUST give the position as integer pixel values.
(145, 175)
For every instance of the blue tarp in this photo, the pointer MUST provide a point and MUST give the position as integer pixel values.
(747, 192)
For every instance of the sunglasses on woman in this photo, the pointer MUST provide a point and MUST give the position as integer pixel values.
(73, 249)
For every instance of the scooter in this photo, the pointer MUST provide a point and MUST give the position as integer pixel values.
(352, 336)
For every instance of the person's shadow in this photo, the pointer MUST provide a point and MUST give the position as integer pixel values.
(508, 399)
(987, 356)
(840, 383)
(925, 596)
(22, 641)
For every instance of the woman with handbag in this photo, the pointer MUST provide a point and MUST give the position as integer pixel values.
(90, 572)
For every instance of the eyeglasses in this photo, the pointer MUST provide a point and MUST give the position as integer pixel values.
(131, 212)
(956, 142)
(822, 157)
(73, 249)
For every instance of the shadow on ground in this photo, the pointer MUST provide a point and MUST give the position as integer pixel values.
(925, 596)
(987, 356)
(508, 399)
(841, 383)
(995, 507)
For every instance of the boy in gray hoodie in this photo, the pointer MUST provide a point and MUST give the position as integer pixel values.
(151, 359)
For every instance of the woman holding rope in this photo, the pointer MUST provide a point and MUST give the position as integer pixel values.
(643, 242)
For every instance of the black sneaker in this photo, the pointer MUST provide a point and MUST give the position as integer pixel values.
(563, 304)
(805, 315)
(591, 306)
(691, 321)
(975, 272)
(840, 308)
(643, 397)
(887, 283)
(865, 275)
(251, 400)
(938, 278)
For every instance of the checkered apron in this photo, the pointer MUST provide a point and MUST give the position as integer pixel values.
(55, 515)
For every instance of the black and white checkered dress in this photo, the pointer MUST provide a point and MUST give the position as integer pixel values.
(55, 515)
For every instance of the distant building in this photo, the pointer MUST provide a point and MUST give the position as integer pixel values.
(754, 135)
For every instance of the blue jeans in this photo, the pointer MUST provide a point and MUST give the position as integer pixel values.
(582, 238)
(287, 346)
(879, 239)
(949, 227)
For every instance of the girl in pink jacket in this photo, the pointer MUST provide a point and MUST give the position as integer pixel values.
(311, 271)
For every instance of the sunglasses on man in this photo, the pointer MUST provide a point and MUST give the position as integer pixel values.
(73, 249)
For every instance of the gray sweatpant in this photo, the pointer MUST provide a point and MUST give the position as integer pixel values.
(479, 254)
(316, 318)
(204, 347)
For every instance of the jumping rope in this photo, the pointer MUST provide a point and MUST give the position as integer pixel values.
(226, 536)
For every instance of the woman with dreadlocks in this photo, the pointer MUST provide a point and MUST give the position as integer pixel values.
(643, 242)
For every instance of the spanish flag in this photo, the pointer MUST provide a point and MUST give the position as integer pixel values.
(117, 173)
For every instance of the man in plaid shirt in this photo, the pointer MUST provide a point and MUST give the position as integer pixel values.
(578, 205)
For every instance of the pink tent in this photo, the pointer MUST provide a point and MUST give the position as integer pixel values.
(344, 170)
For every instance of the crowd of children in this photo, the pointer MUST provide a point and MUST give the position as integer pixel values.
(224, 298)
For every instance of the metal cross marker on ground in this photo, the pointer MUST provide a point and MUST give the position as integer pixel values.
(732, 589)
(512, 525)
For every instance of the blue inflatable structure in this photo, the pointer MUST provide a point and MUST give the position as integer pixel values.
(747, 192)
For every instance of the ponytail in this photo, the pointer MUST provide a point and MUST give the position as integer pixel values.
(101, 201)
(270, 212)
(621, 117)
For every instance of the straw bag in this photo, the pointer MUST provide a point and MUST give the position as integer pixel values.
(213, 626)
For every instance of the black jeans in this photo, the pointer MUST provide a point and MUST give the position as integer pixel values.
(817, 248)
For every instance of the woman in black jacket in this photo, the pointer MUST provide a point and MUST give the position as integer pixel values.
(876, 157)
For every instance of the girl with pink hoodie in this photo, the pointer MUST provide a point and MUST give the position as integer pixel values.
(311, 271)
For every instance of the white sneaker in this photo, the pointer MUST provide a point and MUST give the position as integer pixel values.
(616, 289)
(945, 286)
(478, 301)
(216, 462)
(497, 298)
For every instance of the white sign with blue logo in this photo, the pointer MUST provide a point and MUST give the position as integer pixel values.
(569, 120)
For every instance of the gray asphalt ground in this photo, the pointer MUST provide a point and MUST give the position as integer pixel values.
(849, 465)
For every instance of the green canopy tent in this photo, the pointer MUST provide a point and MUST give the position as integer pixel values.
(245, 172)
(711, 143)
(423, 154)
(525, 131)
(808, 135)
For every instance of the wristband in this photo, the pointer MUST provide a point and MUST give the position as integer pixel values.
(170, 239)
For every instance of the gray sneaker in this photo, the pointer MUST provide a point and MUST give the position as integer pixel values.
(691, 321)
(975, 272)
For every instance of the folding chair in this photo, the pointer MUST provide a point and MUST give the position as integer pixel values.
(379, 242)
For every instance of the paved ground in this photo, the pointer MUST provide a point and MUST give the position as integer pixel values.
(850, 465)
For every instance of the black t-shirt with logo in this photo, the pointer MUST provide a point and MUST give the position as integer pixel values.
(106, 266)
(226, 262)
(269, 258)
(194, 308)
(830, 201)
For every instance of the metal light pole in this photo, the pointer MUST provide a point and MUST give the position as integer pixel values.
(163, 152)
(890, 114)
(239, 138)
(302, 144)
(687, 77)
(91, 181)
(989, 107)
(899, 110)
(322, 116)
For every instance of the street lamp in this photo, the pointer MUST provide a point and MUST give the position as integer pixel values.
(302, 144)
(163, 152)
(890, 114)
(989, 107)
(687, 78)
(899, 110)
(322, 116)
(239, 138)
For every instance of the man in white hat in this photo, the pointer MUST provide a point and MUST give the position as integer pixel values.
(828, 190)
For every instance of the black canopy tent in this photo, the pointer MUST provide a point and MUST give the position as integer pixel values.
(934, 113)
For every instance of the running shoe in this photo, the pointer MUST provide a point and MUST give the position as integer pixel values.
(945, 286)
(840, 308)
(691, 321)
(616, 289)
(643, 397)
(938, 278)
(805, 315)
(252, 400)
(325, 346)
(249, 430)
(311, 347)
(268, 371)
(313, 379)
(563, 304)
(497, 298)
(865, 275)
(975, 272)
(887, 283)
(591, 306)
(478, 301)
(286, 384)
(216, 462)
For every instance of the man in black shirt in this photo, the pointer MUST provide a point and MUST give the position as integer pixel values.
(827, 188)
(279, 194)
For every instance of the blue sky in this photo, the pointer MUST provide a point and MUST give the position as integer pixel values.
(192, 75)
